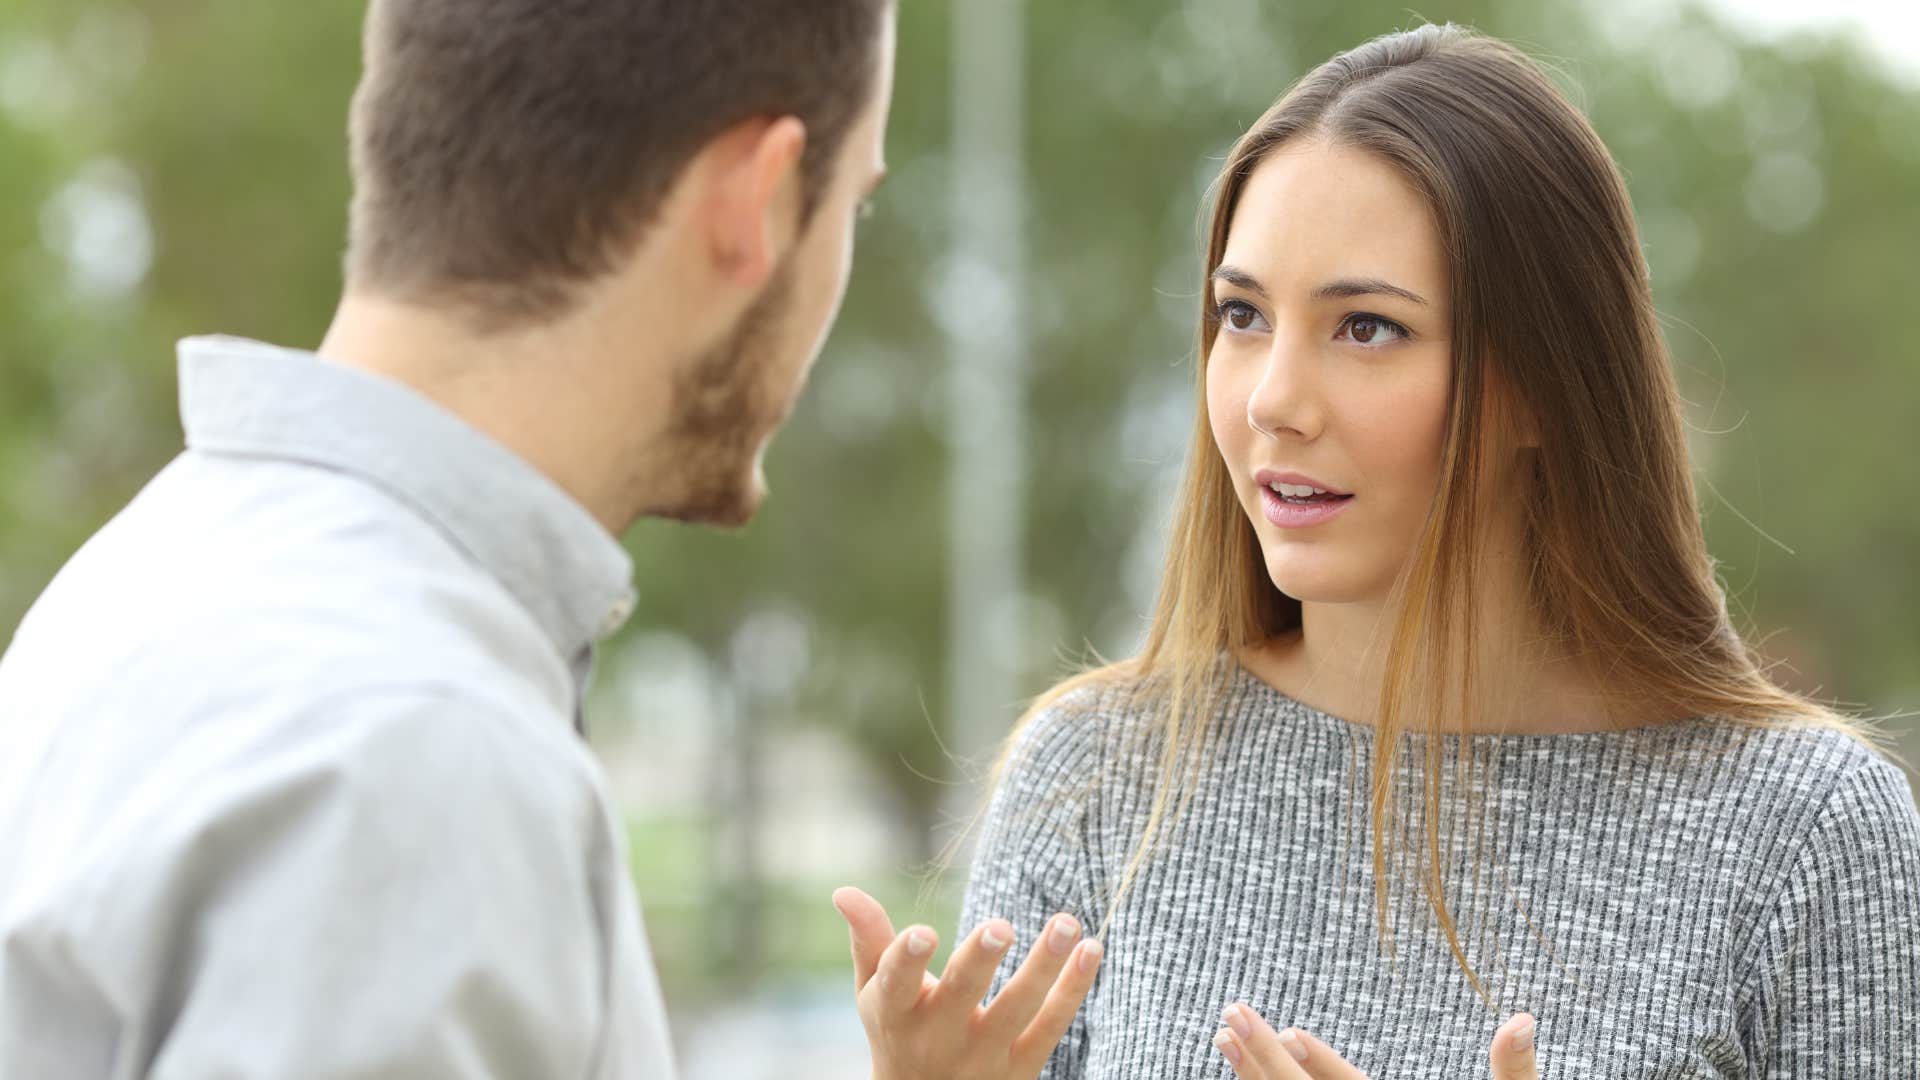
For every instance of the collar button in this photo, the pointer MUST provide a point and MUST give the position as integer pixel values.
(616, 616)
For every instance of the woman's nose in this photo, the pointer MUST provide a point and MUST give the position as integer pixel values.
(1283, 401)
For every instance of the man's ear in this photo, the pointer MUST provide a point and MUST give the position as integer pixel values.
(752, 209)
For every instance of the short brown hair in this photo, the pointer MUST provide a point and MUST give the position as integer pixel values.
(505, 151)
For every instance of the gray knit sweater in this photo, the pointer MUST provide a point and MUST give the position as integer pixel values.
(1697, 900)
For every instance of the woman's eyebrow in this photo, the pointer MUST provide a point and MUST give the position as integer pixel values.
(1233, 275)
(1345, 287)
(1365, 287)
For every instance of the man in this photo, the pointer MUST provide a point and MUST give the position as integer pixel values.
(290, 777)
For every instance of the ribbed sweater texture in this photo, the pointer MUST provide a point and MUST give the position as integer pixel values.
(1689, 900)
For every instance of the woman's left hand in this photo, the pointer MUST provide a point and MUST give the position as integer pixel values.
(1257, 1052)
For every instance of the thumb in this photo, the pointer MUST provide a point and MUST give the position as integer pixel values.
(1513, 1050)
(870, 928)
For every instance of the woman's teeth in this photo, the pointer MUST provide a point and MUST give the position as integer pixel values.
(1301, 493)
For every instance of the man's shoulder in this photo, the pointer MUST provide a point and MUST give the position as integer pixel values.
(380, 821)
(426, 743)
(417, 743)
(312, 581)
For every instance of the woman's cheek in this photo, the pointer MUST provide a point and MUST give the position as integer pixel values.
(1400, 435)
(1224, 405)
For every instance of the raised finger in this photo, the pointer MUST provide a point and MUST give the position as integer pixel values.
(1251, 1045)
(1322, 1061)
(1034, 1045)
(1012, 1009)
(1513, 1053)
(970, 970)
(902, 974)
(869, 928)
(1245, 1065)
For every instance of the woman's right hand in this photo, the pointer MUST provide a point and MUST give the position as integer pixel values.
(1256, 1052)
(924, 1028)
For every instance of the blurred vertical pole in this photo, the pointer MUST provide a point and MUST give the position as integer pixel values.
(986, 326)
(734, 885)
(747, 901)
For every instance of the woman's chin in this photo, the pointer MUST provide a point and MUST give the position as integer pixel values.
(1314, 584)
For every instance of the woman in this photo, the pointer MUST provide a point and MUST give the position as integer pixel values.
(1438, 501)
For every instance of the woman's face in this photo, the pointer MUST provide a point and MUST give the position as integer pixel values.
(1331, 367)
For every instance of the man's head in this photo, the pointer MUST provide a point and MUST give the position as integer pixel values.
(662, 178)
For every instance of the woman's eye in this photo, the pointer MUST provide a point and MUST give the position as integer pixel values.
(1364, 329)
(1238, 314)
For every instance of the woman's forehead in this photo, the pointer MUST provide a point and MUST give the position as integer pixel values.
(1318, 210)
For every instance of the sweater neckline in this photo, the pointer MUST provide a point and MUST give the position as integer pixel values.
(1249, 686)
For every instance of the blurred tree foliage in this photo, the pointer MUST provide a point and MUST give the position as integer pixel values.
(1779, 189)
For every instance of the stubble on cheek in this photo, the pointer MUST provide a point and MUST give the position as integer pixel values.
(724, 411)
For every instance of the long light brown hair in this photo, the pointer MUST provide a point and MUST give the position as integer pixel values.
(1552, 316)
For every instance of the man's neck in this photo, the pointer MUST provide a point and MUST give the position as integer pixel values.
(544, 394)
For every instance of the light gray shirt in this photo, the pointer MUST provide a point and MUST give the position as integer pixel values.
(1685, 902)
(290, 780)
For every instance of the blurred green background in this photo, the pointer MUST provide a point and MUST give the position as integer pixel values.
(778, 718)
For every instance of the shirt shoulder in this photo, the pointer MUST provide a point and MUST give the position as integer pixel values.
(1074, 742)
(313, 581)
(400, 871)
(1800, 798)
(1792, 771)
(1836, 947)
(1059, 734)
(414, 761)
(1845, 800)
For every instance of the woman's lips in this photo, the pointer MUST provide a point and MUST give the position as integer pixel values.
(1294, 515)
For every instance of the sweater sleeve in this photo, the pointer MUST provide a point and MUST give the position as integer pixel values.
(1833, 987)
(1032, 859)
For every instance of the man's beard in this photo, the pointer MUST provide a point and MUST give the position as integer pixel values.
(725, 405)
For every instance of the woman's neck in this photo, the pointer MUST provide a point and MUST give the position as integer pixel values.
(1336, 660)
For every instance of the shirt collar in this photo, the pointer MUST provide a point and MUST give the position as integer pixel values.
(245, 397)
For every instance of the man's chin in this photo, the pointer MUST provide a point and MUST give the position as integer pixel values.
(721, 506)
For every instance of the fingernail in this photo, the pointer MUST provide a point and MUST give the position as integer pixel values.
(1293, 1044)
(1224, 1042)
(1522, 1037)
(993, 939)
(1090, 956)
(1065, 929)
(918, 943)
(1236, 1018)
